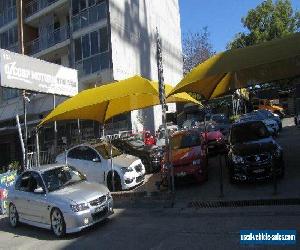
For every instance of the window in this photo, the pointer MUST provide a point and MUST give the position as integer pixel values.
(94, 42)
(91, 155)
(91, 44)
(9, 38)
(86, 46)
(29, 181)
(76, 153)
(8, 93)
(75, 7)
(103, 39)
(78, 50)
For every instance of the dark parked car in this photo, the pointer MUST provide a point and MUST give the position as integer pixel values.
(221, 122)
(150, 155)
(253, 153)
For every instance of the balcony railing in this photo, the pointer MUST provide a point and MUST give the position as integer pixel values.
(47, 41)
(37, 5)
(13, 47)
(89, 16)
(93, 64)
(8, 15)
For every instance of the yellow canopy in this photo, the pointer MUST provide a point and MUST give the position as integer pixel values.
(104, 102)
(238, 68)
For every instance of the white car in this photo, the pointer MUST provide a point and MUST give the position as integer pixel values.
(93, 159)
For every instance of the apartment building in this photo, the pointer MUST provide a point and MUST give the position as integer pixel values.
(105, 40)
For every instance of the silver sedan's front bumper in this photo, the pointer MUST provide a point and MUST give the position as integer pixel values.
(75, 222)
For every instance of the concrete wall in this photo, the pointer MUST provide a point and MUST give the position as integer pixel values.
(133, 39)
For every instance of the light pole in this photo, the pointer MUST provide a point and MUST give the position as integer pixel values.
(162, 97)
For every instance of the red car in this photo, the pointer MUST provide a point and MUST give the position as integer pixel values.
(188, 156)
(149, 139)
(215, 140)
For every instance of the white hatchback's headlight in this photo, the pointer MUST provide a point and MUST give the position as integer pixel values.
(237, 159)
(79, 207)
(126, 169)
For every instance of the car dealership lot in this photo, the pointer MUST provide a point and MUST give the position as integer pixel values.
(288, 187)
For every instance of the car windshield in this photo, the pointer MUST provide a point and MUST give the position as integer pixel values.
(61, 177)
(219, 118)
(188, 140)
(209, 128)
(246, 132)
(136, 143)
(104, 150)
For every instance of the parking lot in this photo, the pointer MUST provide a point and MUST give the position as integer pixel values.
(288, 187)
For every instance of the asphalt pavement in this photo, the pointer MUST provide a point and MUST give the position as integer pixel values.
(161, 229)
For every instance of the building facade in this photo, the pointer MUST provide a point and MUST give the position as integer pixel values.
(105, 40)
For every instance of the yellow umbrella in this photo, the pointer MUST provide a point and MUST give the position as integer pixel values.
(238, 68)
(104, 102)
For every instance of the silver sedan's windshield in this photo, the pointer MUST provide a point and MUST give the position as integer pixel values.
(58, 178)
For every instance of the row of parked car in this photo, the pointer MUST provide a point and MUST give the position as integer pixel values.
(75, 193)
(249, 147)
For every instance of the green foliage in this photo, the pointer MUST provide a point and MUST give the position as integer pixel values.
(14, 165)
(234, 118)
(267, 21)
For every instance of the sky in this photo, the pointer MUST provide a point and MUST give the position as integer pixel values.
(222, 17)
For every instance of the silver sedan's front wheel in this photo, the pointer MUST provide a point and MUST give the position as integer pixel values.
(58, 223)
(13, 215)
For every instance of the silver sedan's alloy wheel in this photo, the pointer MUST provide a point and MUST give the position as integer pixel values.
(57, 223)
(13, 215)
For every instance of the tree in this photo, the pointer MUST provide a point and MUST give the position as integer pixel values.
(267, 21)
(196, 49)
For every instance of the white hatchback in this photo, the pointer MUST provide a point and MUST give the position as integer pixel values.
(94, 161)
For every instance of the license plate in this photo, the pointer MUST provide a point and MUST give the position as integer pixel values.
(99, 209)
(181, 174)
(258, 171)
(211, 146)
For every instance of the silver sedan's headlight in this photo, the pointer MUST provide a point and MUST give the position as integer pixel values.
(79, 207)
(237, 159)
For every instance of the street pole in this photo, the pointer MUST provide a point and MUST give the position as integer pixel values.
(25, 130)
(21, 140)
(162, 97)
(37, 148)
(22, 51)
(55, 127)
(79, 131)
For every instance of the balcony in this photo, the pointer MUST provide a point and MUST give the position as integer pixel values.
(93, 64)
(47, 41)
(14, 47)
(89, 16)
(36, 6)
(8, 15)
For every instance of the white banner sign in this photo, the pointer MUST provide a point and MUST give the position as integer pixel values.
(24, 72)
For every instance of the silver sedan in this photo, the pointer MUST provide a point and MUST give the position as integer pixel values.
(58, 197)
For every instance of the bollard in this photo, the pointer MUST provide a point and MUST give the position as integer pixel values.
(274, 177)
(221, 176)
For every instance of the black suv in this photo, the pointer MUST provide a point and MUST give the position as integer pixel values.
(253, 153)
